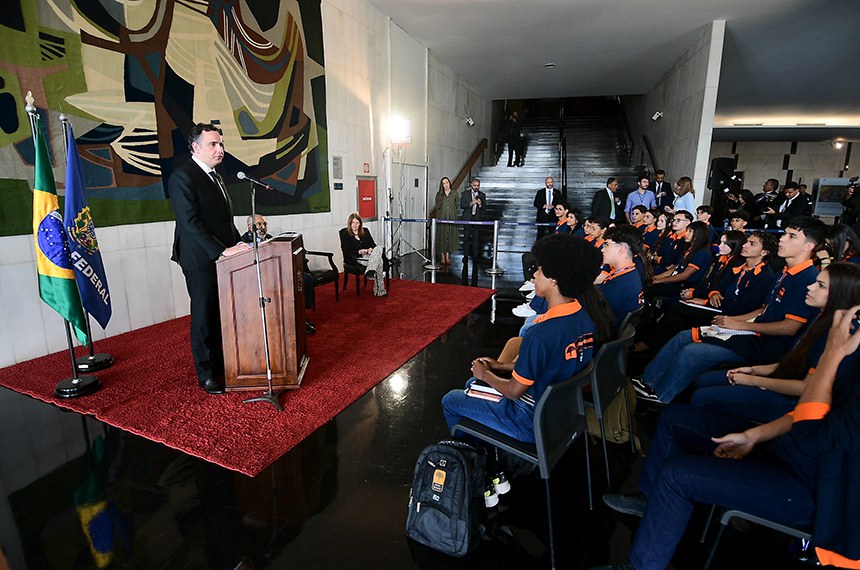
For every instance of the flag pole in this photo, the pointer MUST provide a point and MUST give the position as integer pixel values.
(92, 361)
(77, 385)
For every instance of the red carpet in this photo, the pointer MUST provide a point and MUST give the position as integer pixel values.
(152, 391)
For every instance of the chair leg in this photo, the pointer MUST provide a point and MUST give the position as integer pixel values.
(345, 279)
(629, 420)
(708, 524)
(714, 548)
(605, 453)
(549, 522)
(588, 473)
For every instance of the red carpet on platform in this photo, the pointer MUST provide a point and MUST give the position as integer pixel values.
(151, 390)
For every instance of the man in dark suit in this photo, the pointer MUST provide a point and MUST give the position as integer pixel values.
(663, 191)
(204, 232)
(258, 227)
(545, 201)
(792, 205)
(472, 202)
(606, 202)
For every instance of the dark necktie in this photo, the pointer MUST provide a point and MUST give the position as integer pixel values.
(219, 182)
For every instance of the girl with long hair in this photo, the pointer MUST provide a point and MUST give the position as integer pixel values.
(766, 392)
(692, 266)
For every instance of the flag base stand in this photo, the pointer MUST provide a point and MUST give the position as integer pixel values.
(77, 387)
(92, 363)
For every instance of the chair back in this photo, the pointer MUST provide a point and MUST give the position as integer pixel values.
(631, 318)
(560, 419)
(609, 375)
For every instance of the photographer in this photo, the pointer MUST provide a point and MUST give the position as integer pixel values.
(851, 203)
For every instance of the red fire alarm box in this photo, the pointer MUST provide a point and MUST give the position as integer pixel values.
(367, 197)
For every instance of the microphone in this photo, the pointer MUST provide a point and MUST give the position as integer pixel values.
(243, 176)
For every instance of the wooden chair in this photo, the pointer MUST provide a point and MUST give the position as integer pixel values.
(328, 275)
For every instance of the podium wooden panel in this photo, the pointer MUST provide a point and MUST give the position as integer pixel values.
(281, 269)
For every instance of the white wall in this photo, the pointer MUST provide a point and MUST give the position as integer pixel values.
(761, 160)
(687, 96)
(146, 288)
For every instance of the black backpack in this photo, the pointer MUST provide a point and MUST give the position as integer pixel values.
(446, 502)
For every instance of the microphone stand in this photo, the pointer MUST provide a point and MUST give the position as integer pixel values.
(270, 396)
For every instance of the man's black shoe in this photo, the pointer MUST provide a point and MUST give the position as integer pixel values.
(210, 386)
(632, 504)
(310, 327)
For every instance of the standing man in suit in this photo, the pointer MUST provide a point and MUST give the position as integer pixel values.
(546, 200)
(513, 136)
(606, 203)
(204, 232)
(663, 191)
(472, 202)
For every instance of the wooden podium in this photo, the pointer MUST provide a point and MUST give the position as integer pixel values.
(281, 269)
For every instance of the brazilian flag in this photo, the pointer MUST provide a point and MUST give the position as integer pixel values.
(57, 285)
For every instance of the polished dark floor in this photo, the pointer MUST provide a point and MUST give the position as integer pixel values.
(337, 500)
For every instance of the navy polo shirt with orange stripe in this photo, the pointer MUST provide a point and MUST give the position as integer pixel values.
(560, 344)
(622, 289)
(787, 300)
(744, 289)
(701, 260)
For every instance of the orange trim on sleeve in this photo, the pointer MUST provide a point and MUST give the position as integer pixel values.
(796, 318)
(828, 558)
(693, 265)
(810, 411)
(712, 293)
(521, 380)
(697, 335)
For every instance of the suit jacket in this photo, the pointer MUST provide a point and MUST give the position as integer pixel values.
(204, 222)
(663, 201)
(540, 201)
(798, 207)
(465, 198)
(601, 206)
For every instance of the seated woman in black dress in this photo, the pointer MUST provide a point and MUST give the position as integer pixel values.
(359, 249)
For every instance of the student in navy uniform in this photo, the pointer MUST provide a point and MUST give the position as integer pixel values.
(776, 324)
(799, 470)
(623, 285)
(692, 266)
(560, 344)
(704, 213)
(736, 290)
(765, 392)
(673, 248)
(651, 227)
(562, 209)
(637, 215)
(575, 219)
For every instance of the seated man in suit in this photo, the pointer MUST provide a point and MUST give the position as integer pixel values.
(256, 227)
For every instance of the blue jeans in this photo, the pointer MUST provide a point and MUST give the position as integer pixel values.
(511, 417)
(674, 479)
(715, 393)
(680, 361)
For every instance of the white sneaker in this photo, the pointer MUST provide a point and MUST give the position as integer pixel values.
(530, 296)
(491, 498)
(501, 483)
(523, 311)
(527, 286)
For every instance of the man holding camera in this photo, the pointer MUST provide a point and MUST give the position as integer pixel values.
(851, 203)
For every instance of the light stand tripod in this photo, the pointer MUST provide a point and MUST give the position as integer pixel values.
(270, 396)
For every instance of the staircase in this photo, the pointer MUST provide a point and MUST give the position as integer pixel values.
(597, 148)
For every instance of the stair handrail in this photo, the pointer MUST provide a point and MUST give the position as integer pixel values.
(470, 162)
(646, 145)
(562, 151)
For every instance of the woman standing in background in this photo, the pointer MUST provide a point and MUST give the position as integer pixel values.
(447, 202)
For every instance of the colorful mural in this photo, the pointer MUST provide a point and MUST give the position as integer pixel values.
(133, 77)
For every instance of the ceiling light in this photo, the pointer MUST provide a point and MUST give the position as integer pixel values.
(837, 144)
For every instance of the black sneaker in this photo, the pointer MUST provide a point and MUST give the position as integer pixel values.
(647, 394)
(638, 382)
(630, 504)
